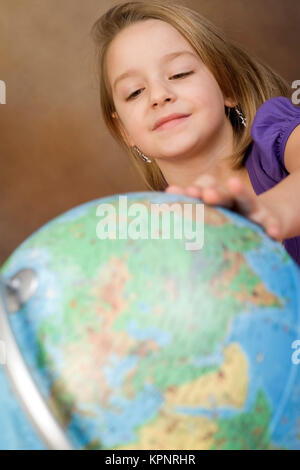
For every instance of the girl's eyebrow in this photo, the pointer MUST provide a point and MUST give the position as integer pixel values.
(167, 57)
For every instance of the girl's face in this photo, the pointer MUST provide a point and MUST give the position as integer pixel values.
(159, 84)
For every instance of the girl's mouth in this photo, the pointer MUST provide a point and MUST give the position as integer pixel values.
(172, 123)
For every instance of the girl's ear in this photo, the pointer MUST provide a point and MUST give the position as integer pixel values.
(229, 102)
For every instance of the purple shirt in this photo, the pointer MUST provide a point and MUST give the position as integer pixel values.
(274, 121)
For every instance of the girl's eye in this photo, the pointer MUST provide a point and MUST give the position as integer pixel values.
(179, 75)
(182, 74)
(133, 95)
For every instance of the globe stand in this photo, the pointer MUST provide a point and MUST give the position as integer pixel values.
(13, 294)
(19, 288)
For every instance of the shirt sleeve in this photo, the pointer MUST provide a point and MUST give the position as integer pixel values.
(273, 123)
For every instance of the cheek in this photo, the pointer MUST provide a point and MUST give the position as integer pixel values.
(128, 122)
(206, 90)
(208, 100)
(126, 111)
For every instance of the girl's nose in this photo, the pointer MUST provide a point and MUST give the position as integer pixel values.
(160, 93)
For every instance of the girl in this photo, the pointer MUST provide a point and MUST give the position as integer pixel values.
(199, 115)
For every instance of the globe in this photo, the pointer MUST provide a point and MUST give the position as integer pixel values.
(150, 339)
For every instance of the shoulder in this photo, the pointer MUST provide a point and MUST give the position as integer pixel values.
(280, 105)
(269, 158)
(273, 124)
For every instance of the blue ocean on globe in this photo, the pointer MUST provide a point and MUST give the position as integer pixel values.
(143, 344)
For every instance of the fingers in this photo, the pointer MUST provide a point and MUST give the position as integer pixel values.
(273, 230)
(245, 203)
(211, 192)
(255, 210)
(192, 191)
(175, 190)
(235, 196)
(270, 225)
(268, 221)
(204, 187)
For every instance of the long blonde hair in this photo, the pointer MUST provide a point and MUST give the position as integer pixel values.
(241, 76)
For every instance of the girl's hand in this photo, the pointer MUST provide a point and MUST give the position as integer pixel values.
(236, 196)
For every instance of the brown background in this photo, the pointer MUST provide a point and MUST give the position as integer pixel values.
(55, 150)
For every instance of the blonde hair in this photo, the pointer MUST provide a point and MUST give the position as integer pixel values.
(240, 76)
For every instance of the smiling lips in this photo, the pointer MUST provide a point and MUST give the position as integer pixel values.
(170, 121)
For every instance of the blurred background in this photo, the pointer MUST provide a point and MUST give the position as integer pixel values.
(55, 150)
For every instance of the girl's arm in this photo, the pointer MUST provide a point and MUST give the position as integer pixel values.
(276, 210)
(284, 198)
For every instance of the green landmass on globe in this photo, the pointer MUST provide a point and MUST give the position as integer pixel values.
(137, 340)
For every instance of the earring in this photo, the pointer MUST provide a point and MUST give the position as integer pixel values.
(143, 157)
(241, 116)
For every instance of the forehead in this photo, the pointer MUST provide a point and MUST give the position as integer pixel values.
(142, 42)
